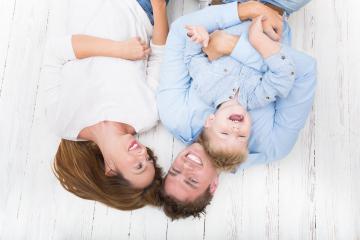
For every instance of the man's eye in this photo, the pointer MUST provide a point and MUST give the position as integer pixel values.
(193, 180)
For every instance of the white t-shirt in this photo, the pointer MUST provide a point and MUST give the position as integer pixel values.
(81, 93)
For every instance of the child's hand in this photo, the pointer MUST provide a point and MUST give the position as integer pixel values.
(220, 44)
(198, 34)
(260, 41)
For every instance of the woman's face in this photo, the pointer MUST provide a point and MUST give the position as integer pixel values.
(125, 155)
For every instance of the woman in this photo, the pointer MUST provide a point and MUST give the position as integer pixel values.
(102, 94)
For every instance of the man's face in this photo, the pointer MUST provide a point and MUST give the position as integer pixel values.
(191, 174)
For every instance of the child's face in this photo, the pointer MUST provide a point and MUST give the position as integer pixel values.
(229, 127)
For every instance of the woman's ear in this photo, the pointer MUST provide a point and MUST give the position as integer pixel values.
(109, 172)
(209, 120)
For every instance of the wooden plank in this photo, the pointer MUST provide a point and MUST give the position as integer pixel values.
(297, 172)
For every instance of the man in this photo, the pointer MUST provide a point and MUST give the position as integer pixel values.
(192, 179)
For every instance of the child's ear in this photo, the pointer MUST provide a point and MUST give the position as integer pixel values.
(209, 120)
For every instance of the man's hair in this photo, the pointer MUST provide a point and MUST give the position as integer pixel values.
(223, 158)
(80, 168)
(176, 209)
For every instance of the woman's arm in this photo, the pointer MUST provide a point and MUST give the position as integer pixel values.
(161, 26)
(85, 46)
(160, 32)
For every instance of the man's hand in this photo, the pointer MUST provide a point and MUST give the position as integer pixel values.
(132, 49)
(220, 44)
(260, 41)
(198, 34)
(272, 21)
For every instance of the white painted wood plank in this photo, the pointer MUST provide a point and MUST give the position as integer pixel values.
(312, 194)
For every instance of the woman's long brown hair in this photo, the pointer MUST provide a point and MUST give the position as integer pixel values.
(80, 168)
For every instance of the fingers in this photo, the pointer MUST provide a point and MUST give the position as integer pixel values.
(272, 34)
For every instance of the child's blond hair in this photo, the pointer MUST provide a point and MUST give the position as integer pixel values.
(223, 158)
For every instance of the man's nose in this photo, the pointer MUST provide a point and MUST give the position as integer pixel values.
(189, 166)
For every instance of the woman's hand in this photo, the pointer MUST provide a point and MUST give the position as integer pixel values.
(220, 44)
(132, 49)
(198, 34)
(261, 41)
(272, 21)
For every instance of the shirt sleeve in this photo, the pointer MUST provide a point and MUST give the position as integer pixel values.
(58, 51)
(277, 81)
(291, 112)
(245, 53)
(153, 65)
(172, 94)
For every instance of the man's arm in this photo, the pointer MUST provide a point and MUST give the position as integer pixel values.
(291, 112)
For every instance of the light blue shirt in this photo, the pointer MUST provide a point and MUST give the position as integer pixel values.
(254, 85)
(289, 6)
(275, 127)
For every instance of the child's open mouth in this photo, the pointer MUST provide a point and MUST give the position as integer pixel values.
(236, 117)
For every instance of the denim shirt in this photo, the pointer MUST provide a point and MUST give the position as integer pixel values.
(275, 127)
(289, 6)
(146, 5)
(225, 78)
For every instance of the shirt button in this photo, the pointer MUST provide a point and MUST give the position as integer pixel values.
(283, 57)
(292, 73)
(261, 79)
(225, 70)
(267, 97)
(234, 89)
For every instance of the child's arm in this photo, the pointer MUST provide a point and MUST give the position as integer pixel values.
(278, 80)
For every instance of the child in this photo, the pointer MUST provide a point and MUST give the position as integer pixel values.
(226, 132)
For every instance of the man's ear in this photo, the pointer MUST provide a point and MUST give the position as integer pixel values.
(209, 120)
(214, 184)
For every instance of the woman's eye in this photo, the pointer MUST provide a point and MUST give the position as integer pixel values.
(224, 133)
(149, 159)
(139, 166)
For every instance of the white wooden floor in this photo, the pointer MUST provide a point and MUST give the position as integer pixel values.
(312, 194)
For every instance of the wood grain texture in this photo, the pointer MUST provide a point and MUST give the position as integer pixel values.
(314, 193)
